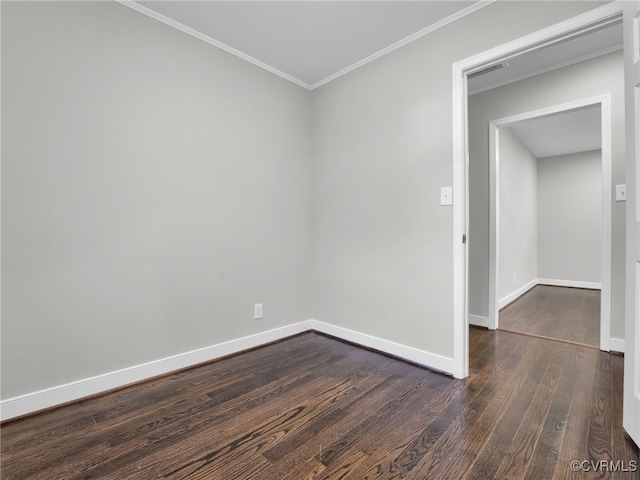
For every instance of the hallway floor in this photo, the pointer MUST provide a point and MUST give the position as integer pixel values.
(568, 314)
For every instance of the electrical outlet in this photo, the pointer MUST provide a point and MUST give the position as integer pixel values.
(446, 196)
(257, 311)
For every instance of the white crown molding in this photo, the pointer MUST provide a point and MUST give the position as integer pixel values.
(61, 394)
(425, 31)
(540, 71)
(205, 38)
(211, 41)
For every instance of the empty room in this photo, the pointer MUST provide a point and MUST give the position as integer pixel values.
(260, 240)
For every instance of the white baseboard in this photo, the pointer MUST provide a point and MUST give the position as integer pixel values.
(617, 345)
(51, 397)
(503, 302)
(415, 355)
(479, 321)
(569, 283)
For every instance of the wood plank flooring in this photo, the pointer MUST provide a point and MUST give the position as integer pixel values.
(313, 407)
(569, 314)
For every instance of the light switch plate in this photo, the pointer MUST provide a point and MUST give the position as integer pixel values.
(621, 193)
(446, 196)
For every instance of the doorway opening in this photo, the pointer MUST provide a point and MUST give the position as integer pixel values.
(575, 27)
(550, 222)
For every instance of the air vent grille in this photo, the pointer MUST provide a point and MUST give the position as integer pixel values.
(491, 68)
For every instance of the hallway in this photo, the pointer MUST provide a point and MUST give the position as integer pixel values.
(568, 314)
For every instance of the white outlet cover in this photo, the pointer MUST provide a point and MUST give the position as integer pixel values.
(446, 196)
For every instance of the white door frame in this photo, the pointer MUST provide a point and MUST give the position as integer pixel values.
(631, 399)
(604, 101)
(460, 70)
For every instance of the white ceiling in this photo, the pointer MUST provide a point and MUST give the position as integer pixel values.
(307, 42)
(312, 42)
(573, 131)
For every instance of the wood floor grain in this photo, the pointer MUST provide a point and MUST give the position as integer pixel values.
(568, 314)
(312, 407)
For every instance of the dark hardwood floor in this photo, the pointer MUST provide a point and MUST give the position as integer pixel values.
(568, 314)
(312, 407)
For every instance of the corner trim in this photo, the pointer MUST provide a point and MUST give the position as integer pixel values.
(61, 394)
(513, 296)
(617, 345)
(480, 321)
(412, 354)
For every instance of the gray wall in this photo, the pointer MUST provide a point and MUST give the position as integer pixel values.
(570, 217)
(153, 189)
(597, 76)
(383, 262)
(518, 241)
(550, 216)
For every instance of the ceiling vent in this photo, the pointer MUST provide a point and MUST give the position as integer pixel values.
(491, 68)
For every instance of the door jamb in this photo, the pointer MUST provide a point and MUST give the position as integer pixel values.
(604, 101)
(460, 70)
